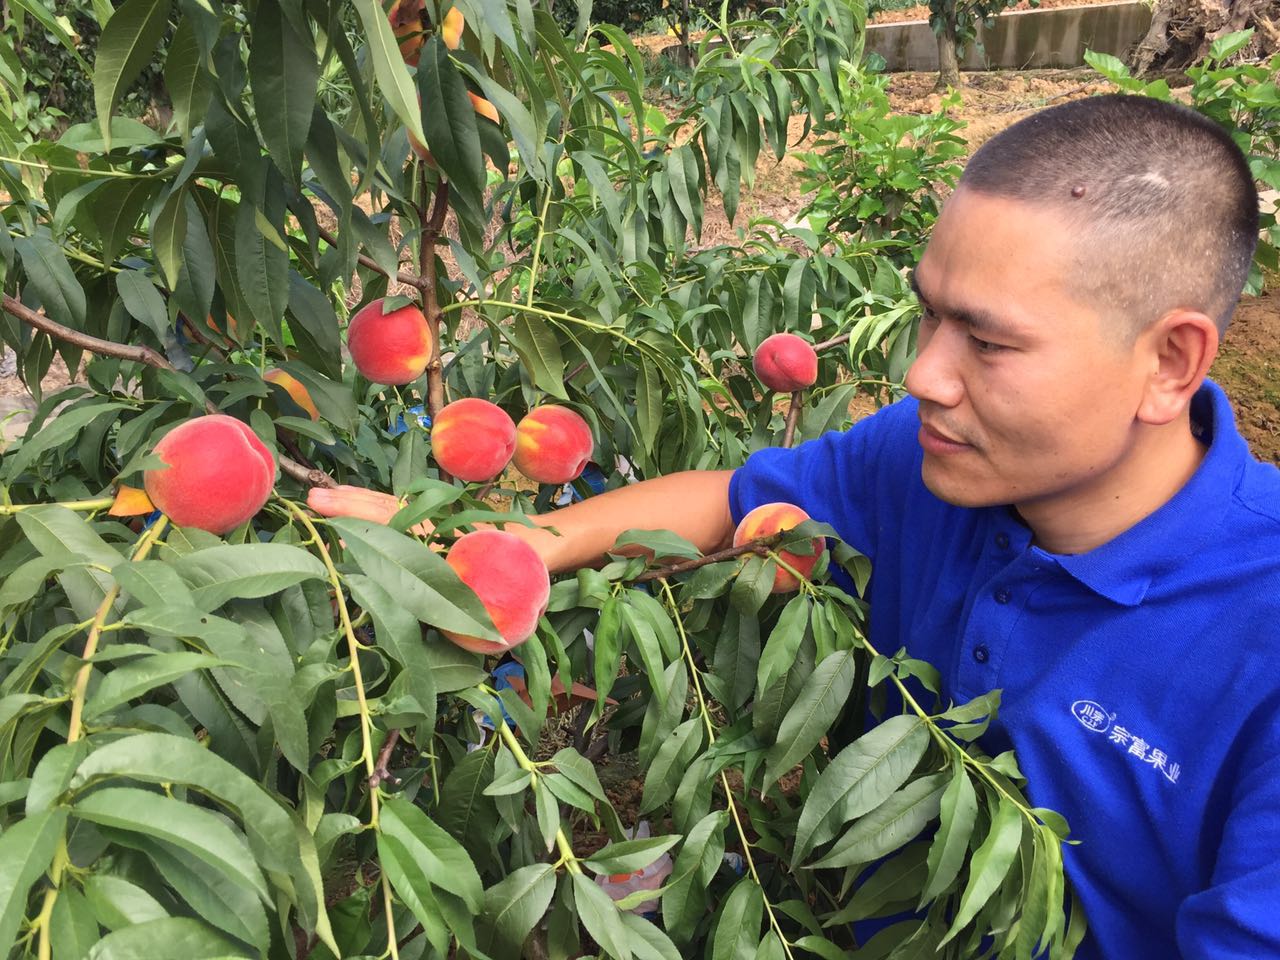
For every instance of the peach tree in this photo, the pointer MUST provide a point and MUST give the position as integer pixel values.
(263, 692)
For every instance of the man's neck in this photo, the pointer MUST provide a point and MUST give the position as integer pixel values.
(1160, 463)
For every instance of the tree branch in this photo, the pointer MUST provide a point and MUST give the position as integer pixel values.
(793, 416)
(144, 355)
(380, 771)
(427, 267)
(368, 261)
(833, 342)
(760, 547)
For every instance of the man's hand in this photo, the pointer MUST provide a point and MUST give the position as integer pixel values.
(348, 501)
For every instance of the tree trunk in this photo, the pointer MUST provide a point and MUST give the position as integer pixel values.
(1182, 31)
(948, 61)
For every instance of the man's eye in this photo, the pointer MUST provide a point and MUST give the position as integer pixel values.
(985, 346)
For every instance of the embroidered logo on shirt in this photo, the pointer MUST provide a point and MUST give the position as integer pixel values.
(1093, 716)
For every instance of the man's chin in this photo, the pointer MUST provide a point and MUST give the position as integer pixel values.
(955, 488)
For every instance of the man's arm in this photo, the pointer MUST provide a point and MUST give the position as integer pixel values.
(694, 504)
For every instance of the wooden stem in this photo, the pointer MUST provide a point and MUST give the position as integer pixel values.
(760, 546)
(793, 417)
(431, 306)
(368, 261)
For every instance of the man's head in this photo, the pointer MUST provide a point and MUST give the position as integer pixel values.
(1074, 289)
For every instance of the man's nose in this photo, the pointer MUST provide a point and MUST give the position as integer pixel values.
(934, 376)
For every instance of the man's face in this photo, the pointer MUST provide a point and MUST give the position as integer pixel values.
(1026, 395)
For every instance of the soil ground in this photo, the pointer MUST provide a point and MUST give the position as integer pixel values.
(1248, 366)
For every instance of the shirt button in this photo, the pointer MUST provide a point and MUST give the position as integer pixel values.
(1003, 596)
(980, 653)
(1002, 541)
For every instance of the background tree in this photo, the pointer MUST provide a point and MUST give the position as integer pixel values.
(955, 23)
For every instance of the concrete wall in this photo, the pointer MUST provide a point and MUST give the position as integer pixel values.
(1023, 39)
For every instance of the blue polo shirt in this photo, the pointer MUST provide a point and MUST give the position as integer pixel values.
(1141, 680)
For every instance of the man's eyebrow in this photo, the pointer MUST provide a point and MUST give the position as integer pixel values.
(983, 321)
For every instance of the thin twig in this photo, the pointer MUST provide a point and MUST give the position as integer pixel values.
(406, 278)
(380, 772)
(793, 416)
(760, 547)
(431, 306)
(833, 342)
(144, 355)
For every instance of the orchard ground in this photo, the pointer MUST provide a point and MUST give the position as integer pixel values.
(1248, 366)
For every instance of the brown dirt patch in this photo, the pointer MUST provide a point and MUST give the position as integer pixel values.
(1248, 368)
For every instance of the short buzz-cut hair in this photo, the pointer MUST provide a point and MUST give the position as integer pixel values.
(1163, 201)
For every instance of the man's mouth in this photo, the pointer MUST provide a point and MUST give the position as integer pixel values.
(937, 442)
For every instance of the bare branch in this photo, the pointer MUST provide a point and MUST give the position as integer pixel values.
(368, 261)
(793, 416)
(760, 547)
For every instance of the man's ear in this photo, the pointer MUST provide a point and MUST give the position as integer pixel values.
(1179, 348)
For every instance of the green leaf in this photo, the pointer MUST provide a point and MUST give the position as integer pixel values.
(125, 47)
(26, 850)
(784, 640)
(401, 636)
(886, 828)
(895, 881)
(169, 937)
(143, 301)
(670, 763)
(118, 903)
(413, 573)
(699, 858)
(210, 892)
(628, 856)
(990, 863)
(187, 84)
(647, 942)
(579, 770)
(959, 810)
(65, 427)
(51, 277)
(164, 758)
(820, 701)
(72, 929)
(738, 929)
(600, 916)
(754, 583)
(449, 122)
(513, 906)
(247, 570)
(441, 858)
(283, 74)
(195, 830)
(389, 68)
(534, 340)
(134, 679)
(168, 234)
(859, 779)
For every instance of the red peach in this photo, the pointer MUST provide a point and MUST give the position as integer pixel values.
(768, 519)
(473, 439)
(785, 362)
(297, 392)
(219, 474)
(483, 107)
(390, 348)
(511, 581)
(451, 28)
(406, 19)
(553, 444)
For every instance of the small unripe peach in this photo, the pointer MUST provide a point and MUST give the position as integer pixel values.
(390, 348)
(553, 444)
(405, 17)
(511, 581)
(219, 474)
(451, 28)
(768, 519)
(473, 439)
(785, 362)
(299, 394)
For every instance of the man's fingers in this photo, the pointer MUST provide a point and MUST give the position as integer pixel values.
(349, 501)
(345, 500)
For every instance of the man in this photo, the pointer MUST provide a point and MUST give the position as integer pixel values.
(1064, 510)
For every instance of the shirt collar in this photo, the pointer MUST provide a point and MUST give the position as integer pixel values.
(1123, 568)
